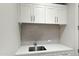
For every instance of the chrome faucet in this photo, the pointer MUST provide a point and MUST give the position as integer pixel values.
(35, 45)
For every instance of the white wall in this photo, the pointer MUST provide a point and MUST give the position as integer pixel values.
(9, 30)
(69, 36)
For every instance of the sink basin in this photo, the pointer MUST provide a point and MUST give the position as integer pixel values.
(39, 48)
(31, 48)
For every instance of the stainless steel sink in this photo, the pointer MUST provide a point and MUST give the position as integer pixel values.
(38, 48)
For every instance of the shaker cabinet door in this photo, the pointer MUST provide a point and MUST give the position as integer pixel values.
(26, 14)
(51, 15)
(62, 15)
(39, 15)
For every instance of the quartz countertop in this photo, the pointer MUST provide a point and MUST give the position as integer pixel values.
(50, 48)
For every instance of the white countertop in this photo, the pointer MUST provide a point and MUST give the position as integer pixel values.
(50, 48)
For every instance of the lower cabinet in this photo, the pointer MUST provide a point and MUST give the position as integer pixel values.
(61, 53)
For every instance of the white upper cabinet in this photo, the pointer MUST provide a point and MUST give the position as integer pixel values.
(56, 15)
(39, 14)
(32, 14)
(47, 14)
(51, 15)
(62, 15)
(25, 14)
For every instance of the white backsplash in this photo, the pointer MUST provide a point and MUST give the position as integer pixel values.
(40, 33)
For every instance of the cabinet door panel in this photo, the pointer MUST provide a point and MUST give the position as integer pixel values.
(39, 15)
(25, 14)
(61, 14)
(51, 15)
